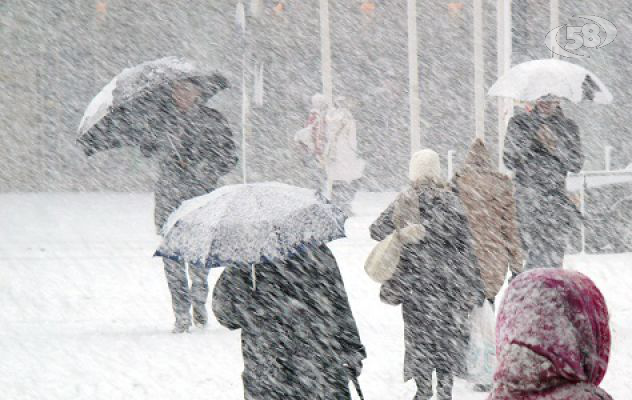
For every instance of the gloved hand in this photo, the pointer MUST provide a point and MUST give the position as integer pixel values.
(412, 234)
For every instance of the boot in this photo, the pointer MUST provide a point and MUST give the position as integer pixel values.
(182, 325)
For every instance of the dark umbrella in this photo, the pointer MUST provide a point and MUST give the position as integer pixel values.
(119, 115)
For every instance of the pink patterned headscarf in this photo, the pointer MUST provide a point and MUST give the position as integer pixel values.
(553, 338)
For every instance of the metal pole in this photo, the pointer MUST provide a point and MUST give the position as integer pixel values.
(326, 72)
(241, 24)
(583, 211)
(479, 70)
(325, 51)
(244, 123)
(555, 22)
(413, 78)
(450, 164)
(608, 157)
(504, 49)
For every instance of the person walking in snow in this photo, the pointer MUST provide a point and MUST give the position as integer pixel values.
(198, 150)
(343, 165)
(330, 136)
(553, 338)
(299, 338)
(487, 196)
(541, 148)
(437, 281)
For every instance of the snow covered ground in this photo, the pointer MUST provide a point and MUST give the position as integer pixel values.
(85, 311)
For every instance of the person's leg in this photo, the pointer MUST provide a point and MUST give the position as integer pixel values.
(424, 386)
(199, 293)
(445, 381)
(176, 274)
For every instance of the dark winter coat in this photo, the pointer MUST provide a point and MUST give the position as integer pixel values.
(535, 165)
(297, 328)
(548, 220)
(199, 152)
(437, 282)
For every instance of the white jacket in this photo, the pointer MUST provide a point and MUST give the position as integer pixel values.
(343, 162)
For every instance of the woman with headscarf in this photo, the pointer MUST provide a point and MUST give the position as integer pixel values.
(437, 281)
(553, 338)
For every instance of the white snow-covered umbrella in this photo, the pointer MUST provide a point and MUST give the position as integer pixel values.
(248, 224)
(534, 79)
(114, 116)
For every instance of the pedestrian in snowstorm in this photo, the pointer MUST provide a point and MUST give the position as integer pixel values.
(487, 196)
(197, 150)
(299, 337)
(437, 281)
(541, 148)
(343, 164)
(553, 338)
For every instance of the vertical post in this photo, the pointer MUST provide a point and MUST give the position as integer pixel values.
(325, 55)
(479, 70)
(244, 122)
(450, 164)
(504, 49)
(241, 25)
(608, 158)
(325, 51)
(555, 22)
(413, 78)
(583, 211)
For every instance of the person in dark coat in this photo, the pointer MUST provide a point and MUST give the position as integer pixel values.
(195, 148)
(541, 148)
(299, 337)
(437, 282)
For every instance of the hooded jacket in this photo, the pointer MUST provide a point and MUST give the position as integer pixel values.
(487, 196)
(553, 338)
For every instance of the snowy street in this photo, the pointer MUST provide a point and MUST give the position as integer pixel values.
(86, 314)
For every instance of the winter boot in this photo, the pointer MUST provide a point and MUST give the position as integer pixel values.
(182, 325)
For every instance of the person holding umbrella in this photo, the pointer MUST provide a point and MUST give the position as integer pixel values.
(299, 337)
(199, 149)
(541, 148)
(281, 286)
(158, 106)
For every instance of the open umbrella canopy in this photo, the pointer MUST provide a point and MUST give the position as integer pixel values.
(534, 79)
(119, 114)
(248, 224)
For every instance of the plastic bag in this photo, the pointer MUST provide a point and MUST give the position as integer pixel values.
(481, 353)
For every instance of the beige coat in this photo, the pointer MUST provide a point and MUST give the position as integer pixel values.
(491, 212)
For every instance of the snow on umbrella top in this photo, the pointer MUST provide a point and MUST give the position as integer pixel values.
(534, 79)
(248, 224)
(134, 84)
